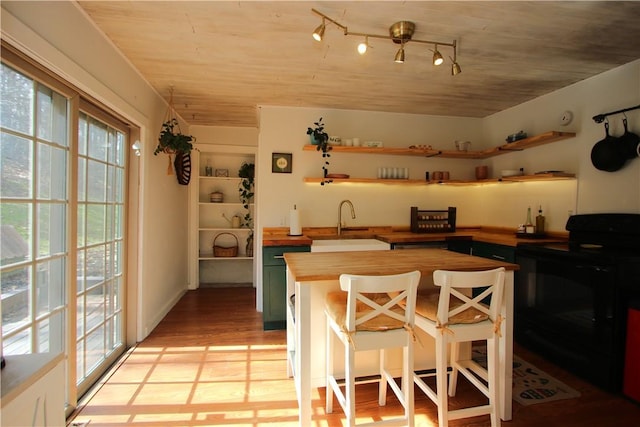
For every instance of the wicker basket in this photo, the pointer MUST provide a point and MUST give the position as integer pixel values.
(225, 251)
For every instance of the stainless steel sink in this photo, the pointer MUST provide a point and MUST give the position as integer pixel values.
(348, 244)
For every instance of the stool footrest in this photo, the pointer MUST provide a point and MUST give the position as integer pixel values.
(473, 411)
(368, 379)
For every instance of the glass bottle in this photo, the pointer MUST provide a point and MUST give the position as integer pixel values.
(540, 221)
(208, 170)
(528, 226)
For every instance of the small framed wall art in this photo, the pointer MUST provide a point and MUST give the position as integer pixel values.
(281, 162)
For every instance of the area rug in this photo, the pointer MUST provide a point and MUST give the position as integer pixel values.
(530, 384)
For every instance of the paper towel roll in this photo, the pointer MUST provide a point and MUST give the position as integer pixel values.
(294, 223)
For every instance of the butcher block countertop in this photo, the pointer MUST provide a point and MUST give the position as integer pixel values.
(277, 236)
(312, 266)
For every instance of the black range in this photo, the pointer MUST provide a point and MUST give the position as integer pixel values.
(571, 299)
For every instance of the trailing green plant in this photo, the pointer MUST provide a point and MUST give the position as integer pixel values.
(171, 140)
(246, 189)
(322, 140)
(318, 133)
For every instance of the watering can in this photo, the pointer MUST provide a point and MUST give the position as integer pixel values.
(235, 221)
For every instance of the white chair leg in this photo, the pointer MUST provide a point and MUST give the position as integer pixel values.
(453, 376)
(407, 383)
(382, 387)
(350, 386)
(329, 356)
(492, 373)
(441, 381)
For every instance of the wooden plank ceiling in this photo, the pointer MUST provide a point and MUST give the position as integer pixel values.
(224, 59)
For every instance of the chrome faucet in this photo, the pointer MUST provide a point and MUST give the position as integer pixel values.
(353, 214)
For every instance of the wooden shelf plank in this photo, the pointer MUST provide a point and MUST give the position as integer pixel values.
(368, 181)
(379, 150)
(209, 257)
(555, 176)
(220, 178)
(519, 178)
(533, 141)
(220, 203)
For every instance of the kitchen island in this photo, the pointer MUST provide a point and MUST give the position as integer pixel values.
(311, 275)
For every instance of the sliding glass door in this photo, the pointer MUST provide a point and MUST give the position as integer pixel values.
(62, 193)
(100, 249)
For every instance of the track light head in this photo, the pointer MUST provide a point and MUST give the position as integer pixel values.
(362, 47)
(437, 57)
(455, 69)
(318, 33)
(400, 56)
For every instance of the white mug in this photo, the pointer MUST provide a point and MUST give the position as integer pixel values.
(356, 142)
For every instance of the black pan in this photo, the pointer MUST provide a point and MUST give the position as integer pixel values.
(607, 155)
(630, 142)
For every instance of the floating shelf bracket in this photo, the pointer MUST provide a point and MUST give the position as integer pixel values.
(433, 154)
(502, 148)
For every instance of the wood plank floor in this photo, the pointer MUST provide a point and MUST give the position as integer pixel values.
(210, 363)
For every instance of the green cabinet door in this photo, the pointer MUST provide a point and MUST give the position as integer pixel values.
(460, 246)
(492, 251)
(274, 285)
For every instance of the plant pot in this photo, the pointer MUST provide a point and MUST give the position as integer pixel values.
(182, 163)
(313, 139)
(249, 248)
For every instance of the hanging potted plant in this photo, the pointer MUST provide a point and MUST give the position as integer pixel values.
(173, 141)
(320, 138)
(246, 190)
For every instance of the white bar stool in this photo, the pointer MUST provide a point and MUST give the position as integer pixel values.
(375, 312)
(452, 317)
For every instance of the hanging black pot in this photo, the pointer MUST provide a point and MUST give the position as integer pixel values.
(182, 163)
(630, 142)
(608, 155)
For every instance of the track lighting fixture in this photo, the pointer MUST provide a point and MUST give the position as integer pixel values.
(400, 33)
(318, 33)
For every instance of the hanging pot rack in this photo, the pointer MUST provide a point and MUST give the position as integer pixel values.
(601, 117)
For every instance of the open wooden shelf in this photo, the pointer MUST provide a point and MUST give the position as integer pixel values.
(519, 178)
(533, 141)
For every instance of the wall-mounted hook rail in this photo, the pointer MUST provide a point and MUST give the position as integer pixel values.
(600, 117)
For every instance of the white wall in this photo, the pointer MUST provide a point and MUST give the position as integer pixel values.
(597, 191)
(59, 35)
(284, 130)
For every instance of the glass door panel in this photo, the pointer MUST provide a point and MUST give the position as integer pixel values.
(100, 235)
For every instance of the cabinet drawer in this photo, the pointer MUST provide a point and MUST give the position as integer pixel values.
(272, 255)
(494, 251)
